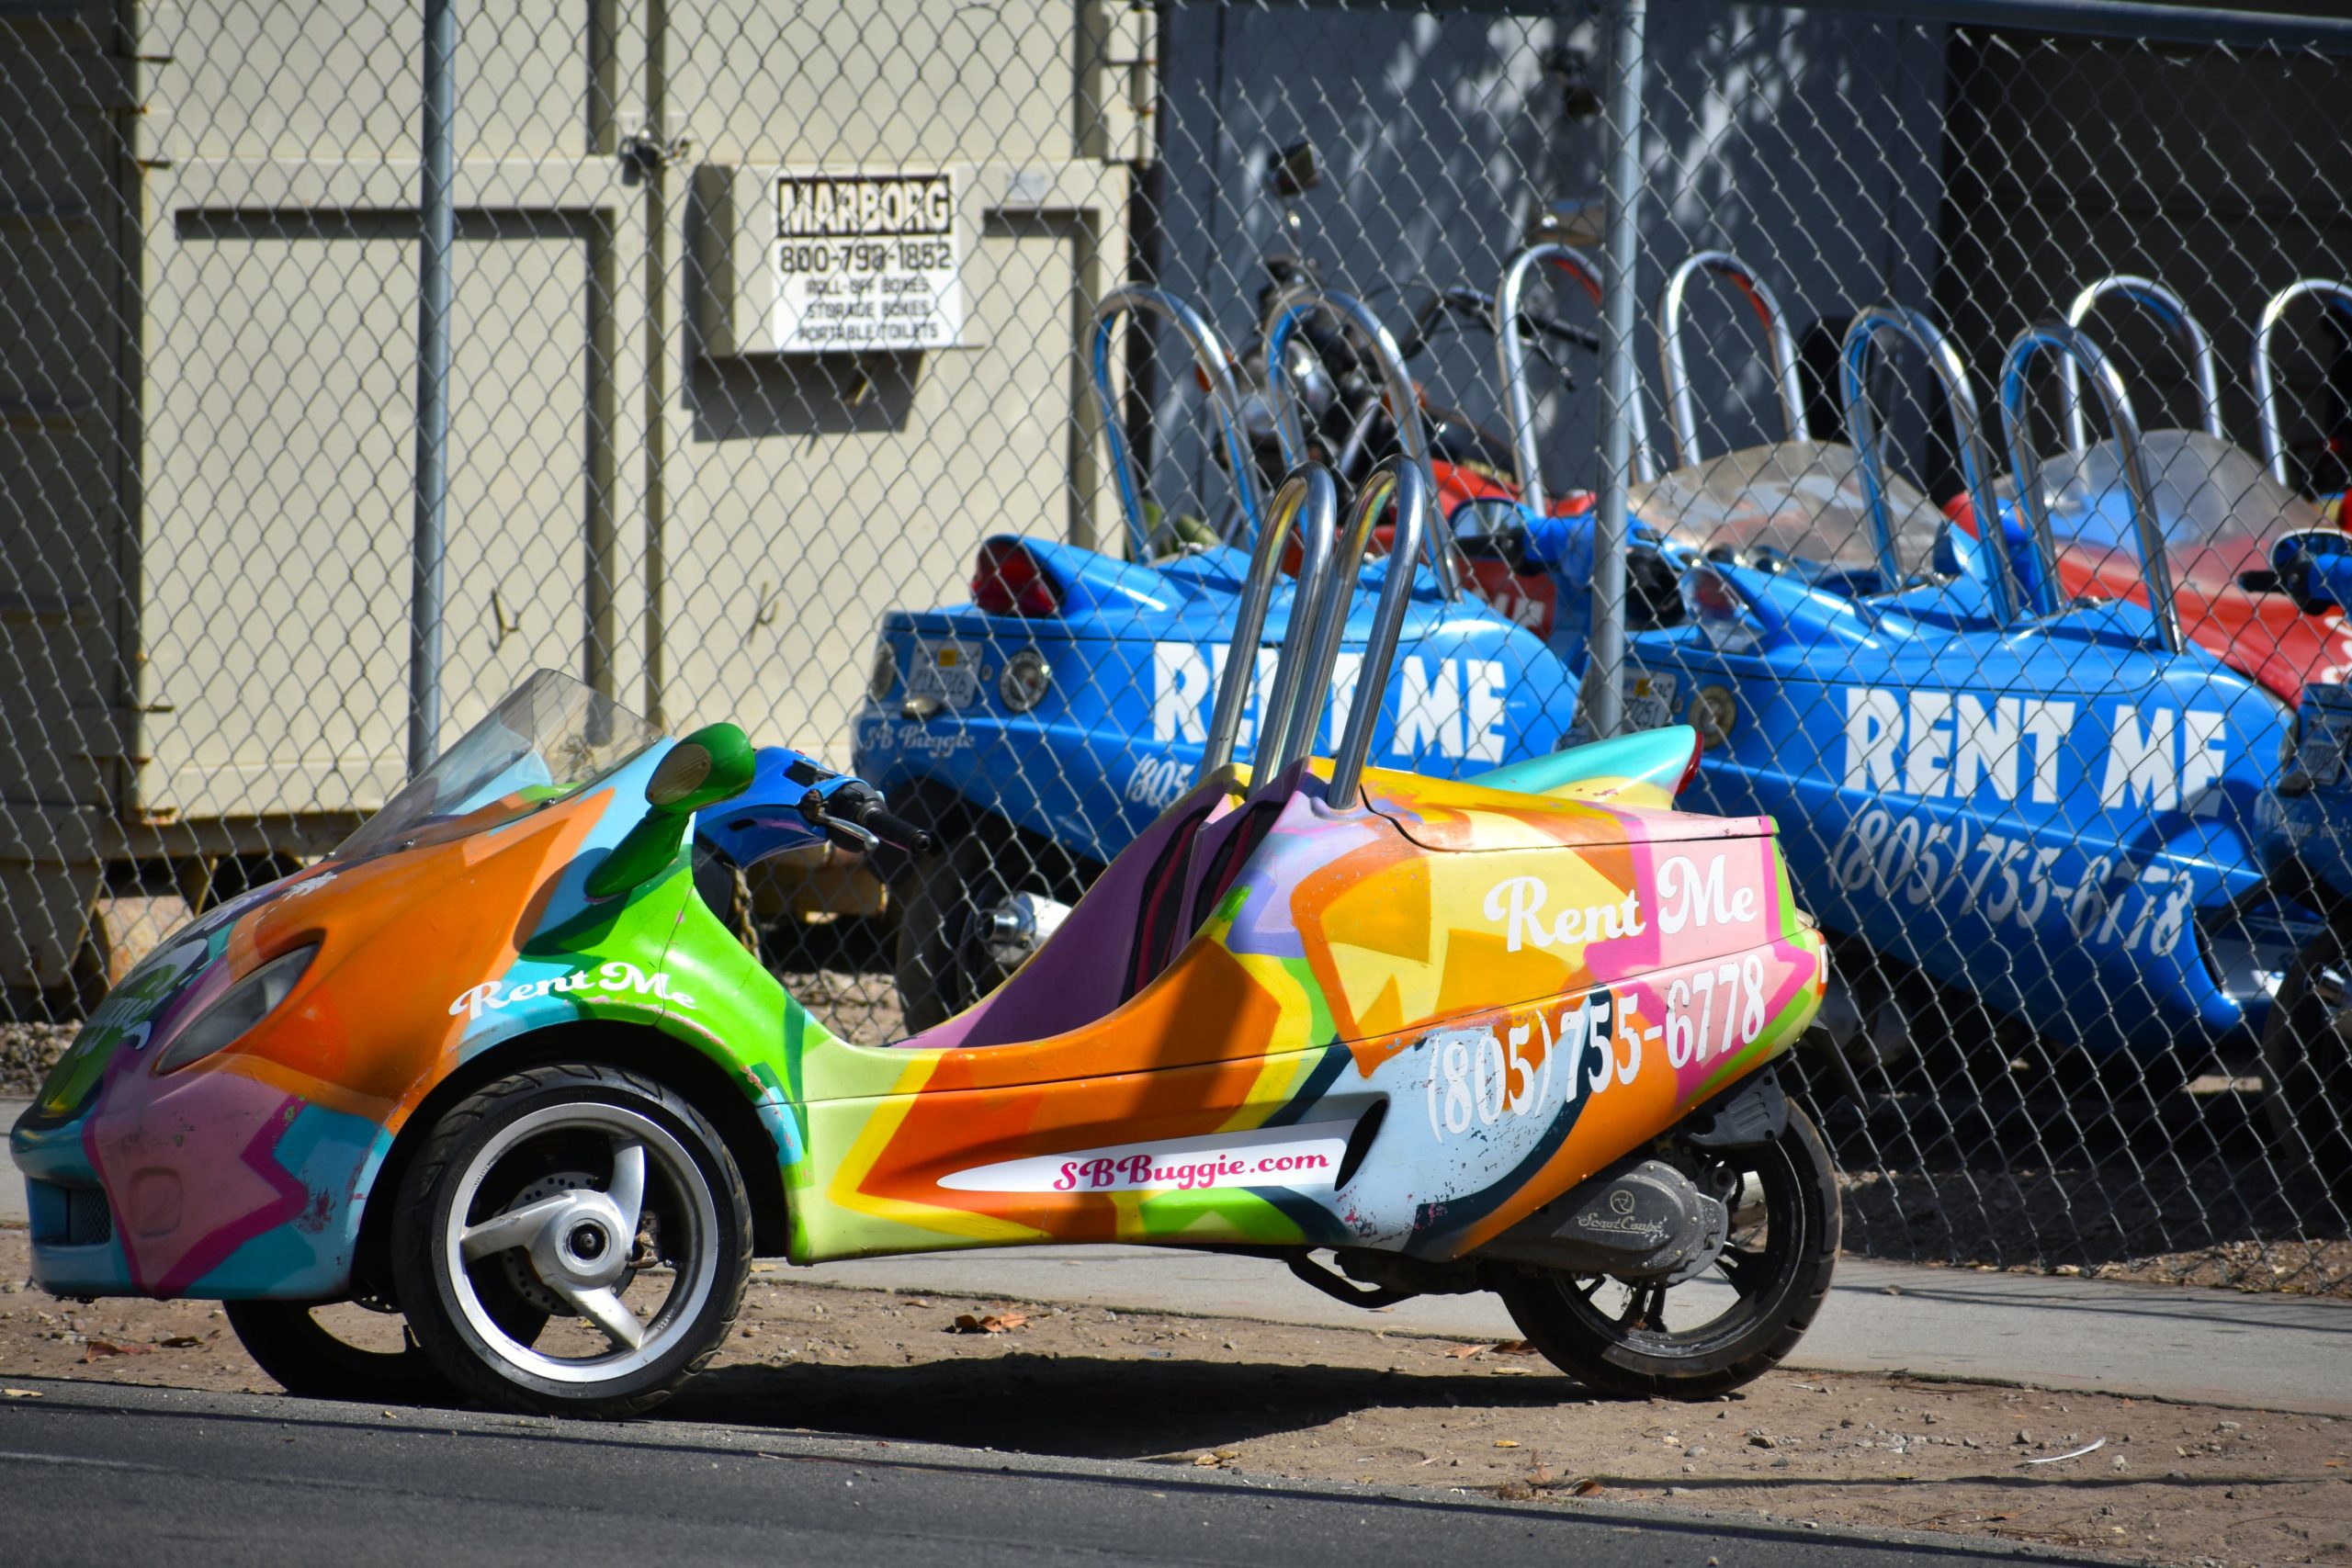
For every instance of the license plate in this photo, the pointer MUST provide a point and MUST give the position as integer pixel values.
(1649, 699)
(949, 671)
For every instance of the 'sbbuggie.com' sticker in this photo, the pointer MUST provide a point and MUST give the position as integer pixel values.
(1299, 1157)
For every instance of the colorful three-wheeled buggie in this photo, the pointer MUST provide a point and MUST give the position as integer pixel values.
(497, 1065)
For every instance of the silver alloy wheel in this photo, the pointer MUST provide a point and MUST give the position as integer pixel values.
(580, 1243)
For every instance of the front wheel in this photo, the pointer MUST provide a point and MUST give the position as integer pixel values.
(2307, 1057)
(1639, 1339)
(363, 1356)
(601, 1198)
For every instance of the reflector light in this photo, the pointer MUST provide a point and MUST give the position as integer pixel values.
(1007, 580)
(1690, 768)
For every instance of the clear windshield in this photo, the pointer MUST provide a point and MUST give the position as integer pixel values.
(1800, 497)
(551, 737)
(2218, 506)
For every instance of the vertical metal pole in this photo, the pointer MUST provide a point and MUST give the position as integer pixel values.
(659, 347)
(1604, 678)
(438, 211)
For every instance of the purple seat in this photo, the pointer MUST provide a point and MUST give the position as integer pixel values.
(1123, 932)
(1131, 924)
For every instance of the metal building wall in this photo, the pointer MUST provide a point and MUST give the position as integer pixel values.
(211, 454)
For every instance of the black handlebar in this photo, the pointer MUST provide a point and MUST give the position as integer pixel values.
(1478, 309)
(898, 831)
(858, 806)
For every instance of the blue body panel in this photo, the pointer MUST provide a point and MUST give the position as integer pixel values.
(2048, 816)
(1134, 655)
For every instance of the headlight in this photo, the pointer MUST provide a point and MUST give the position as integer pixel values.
(241, 1007)
(884, 674)
(1025, 678)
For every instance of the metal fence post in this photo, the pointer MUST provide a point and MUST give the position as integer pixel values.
(1604, 684)
(439, 222)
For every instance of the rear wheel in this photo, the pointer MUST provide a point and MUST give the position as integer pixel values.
(602, 1198)
(2307, 1057)
(1638, 1339)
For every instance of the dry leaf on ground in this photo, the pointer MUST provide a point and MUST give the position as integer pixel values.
(92, 1349)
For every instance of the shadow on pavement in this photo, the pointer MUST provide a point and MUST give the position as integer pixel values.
(1083, 1406)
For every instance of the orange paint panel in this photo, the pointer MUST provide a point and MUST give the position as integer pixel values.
(1203, 1007)
(1388, 912)
(1475, 963)
(370, 1027)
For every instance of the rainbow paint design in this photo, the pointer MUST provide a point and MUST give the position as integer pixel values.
(1529, 987)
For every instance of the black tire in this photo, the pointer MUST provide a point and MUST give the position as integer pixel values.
(524, 1152)
(308, 1359)
(2307, 1062)
(941, 968)
(1780, 1285)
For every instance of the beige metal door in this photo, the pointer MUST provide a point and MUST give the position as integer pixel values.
(280, 508)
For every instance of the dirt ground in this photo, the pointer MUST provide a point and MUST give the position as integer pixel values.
(2169, 1483)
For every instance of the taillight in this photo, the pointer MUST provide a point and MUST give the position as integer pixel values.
(1719, 612)
(1690, 768)
(1009, 582)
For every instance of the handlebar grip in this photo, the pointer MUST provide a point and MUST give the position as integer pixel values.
(894, 829)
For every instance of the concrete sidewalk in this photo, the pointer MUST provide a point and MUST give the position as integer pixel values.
(2218, 1346)
(2167, 1342)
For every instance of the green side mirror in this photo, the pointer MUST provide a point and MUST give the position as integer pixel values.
(710, 766)
(712, 763)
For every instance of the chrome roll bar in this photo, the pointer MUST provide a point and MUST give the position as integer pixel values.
(1968, 427)
(2265, 390)
(2067, 342)
(1211, 357)
(1292, 307)
(1512, 348)
(1308, 503)
(1681, 410)
(2174, 311)
(1416, 498)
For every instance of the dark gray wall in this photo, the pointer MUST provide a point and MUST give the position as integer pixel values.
(1806, 141)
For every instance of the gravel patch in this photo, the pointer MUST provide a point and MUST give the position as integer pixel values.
(26, 1053)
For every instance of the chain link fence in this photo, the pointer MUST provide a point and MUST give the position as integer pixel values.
(782, 391)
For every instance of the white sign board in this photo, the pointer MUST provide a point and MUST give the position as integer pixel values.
(866, 263)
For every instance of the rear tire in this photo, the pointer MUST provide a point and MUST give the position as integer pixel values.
(601, 1196)
(2307, 1060)
(1780, 1277)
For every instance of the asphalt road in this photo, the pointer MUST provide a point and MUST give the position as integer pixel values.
(113, 1474)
